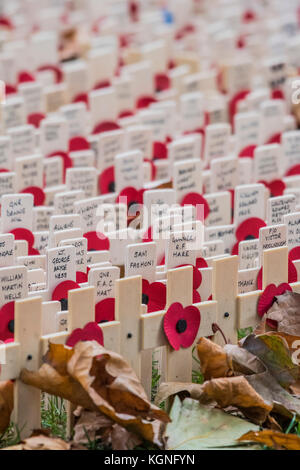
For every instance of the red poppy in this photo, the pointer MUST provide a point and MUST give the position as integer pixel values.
(201, 263)
(132, 195)
(292, 275)
(10, 89)
(162, 82)
(38, 195)
(268, 297)
(294, 170)
(4, 170)
(248, 151)
(97, 241)
(35, 119)
(197, 279)
(294, 254)
(102, 84)
(276, 187)
(154, 295)
(195, 199)
(106, 182)
(91, 332)
(181, 325)
(82, 98)
(78, 143)
(126, 113)
(81, 277)
(25, 77)
(105, 311)
(7, 317)
(275, 139)
(249, 229)
(106, 126)
(23, 234)
(58, 73)
(160, 151)
(278, 94)
(145, 101)
(60, 293)
(233, 103)
(67, 160)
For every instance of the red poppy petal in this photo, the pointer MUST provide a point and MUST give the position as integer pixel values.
(282, 288)
(201, 263)
(249, 228)
(33, 251)
(61, 291)
(160, 150)
(293, 274)
(277, 187)
(278, 94)
(162, 82)
(145, 286)
(266, 299)
(193, 319)
(23, 234)
(53, 68)
(81, 277)
(126, 113)
(82, 98)
(172, 316)
(233, 103)
(78, 143)
(25, 77)
(91, 332)
(38, 195)
(102, 84)
(10, 89)
(196, 297)
(97, 241)
(294, 254)
(131, 194)
(275, 139)
(294, 170)
(4, 170)
(195, 199)
(145, 101)
(7, 314)
(247, 151)
(105, 126)
(35, 119)
(105, 311)
(235, 249)
(107, 180)
(157, 293)
(197, 276)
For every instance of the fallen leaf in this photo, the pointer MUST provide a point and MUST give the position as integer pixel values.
(169, 389)
(195, 427)
(274, 439)
(98, 379)
(243, 362)
(286, 311)
(214, 360)
(41, 442)
(6, 404)
(236, 391)
(274, 353)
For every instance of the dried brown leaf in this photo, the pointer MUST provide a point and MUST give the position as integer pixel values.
(214, 361)
(273, 439)
(286, 311)
(41, 442)
(6, 404)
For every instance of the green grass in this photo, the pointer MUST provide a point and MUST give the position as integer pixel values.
(197, 376)
(243, 332)
(11, 437)
(54, 416)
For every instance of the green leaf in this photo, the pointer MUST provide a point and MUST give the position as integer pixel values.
(195, 426)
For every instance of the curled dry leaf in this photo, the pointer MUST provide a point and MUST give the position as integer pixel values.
(98, 379)
(273, 439)
(214, 361)
(236, 391)
(169, 389)
(6, 404)
(286, 311)
(41, 442)
(93, 426)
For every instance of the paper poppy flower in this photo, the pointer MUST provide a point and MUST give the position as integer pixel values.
(7, 324)
(278, 94)
(249, 229)
(294, 254)
(35, 119)
(132, 195)
(160, 151)
(78, 143)
(154, 296)
(234, 102)
(294, 170)
(57, 71)
(275, 139)
(106, 182)
(67, 160)
(91, 332)
(81, 277)
(38, 195)
(82, 98)
(162, 82)
(60, 293)
(102, 84)
(145, 101)
(106, 126)
(268, 297)
(126, 113)
(276, 187)
(201, 263)
(181, 325)
(10, 89)
(105, 311)
(97, 241)
(292, 275)
(25, 77)
(23, 234)
(195, 199)
(247, 151)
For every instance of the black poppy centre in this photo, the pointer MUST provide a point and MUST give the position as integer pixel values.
(181, 326)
